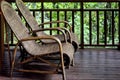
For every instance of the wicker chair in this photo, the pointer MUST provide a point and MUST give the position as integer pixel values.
(35, 50)
(36, 27)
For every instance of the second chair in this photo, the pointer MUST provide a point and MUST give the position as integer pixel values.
(71, 37)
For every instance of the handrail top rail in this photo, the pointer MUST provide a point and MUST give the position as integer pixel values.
(67, 0)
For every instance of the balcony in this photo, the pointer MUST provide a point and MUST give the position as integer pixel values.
(95, 27)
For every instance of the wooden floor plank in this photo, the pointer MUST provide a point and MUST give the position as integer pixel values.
(90, 64)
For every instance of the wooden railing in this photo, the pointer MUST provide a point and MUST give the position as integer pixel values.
(93, 37)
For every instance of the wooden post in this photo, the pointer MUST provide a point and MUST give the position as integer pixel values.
(1, 40)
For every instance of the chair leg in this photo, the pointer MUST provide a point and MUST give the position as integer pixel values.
(63, 68)
(13, 61)
(72, 63)
(64, 76)
(12, 67)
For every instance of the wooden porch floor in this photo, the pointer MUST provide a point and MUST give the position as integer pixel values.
(90, 64)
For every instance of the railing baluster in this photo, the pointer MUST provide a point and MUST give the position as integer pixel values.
(58, 18)
(119, 23)
(113, 28)
(50, 23)
(42, 13)
(82, 26)
(65, 13)
(73, 21)
(97, 27)
(105, 27)
(90, 28)
(12, 38)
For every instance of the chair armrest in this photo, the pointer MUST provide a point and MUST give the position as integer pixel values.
(40, 37)
(45, 29)
(69, 34)
(70, 27)
(36, 38)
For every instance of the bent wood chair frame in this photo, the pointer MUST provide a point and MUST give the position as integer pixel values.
(35, 50)
(71, 37)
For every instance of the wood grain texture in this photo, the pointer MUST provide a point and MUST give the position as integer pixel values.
(90, 64)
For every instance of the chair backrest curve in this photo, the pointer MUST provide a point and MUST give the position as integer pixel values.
(28, 17)
(17, 26)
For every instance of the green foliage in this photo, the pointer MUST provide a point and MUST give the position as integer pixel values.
(77, 19)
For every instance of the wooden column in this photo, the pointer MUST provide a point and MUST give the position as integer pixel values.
(1, 40)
